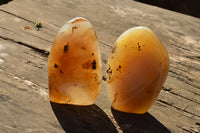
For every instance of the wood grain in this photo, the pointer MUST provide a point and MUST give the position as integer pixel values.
(24, 102)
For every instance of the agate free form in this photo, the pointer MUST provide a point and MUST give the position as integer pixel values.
(74, 67)
(137, 68)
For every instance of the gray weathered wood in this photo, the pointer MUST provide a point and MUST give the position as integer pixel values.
(24, 102)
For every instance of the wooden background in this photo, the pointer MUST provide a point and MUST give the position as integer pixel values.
(24, 101)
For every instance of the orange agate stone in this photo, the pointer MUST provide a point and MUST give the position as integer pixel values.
(137, 68)
(74, 67)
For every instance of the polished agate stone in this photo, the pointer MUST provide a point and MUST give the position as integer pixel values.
(74, 67)
(137, 68)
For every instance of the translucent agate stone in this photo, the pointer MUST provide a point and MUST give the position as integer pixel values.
(137, 68)
(74, 67)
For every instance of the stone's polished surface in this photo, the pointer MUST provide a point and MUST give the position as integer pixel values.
(75, 64)
(137, 68)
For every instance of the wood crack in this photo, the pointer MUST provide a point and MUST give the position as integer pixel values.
(17, 16)
(41, 51)
(189, 66)
(40, 38)
(9, 84)
(170, 91)
(179, 47)
(188, 131)
(179, 109)
(30, 34)
(12, 14)
(105, 44)
(184, 79)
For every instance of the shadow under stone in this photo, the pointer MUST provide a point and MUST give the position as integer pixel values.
(82, 119)
(4, 1)
(138, 123)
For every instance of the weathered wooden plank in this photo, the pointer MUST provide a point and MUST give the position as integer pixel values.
(177, 107)
(24, 102)
(31, 62)
(14, 30)
(16, 84)
(114, 21)
(24, 63)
